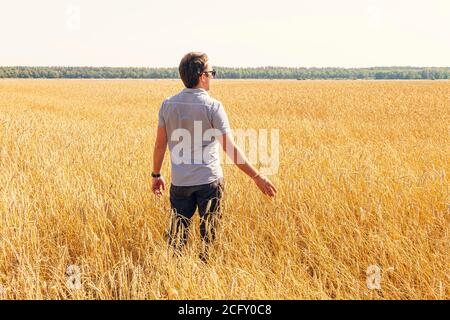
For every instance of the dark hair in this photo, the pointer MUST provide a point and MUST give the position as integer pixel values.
(191, 67)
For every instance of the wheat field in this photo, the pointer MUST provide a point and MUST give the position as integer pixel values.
(363, 183)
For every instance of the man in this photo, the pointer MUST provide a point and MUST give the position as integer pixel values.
(197, 176)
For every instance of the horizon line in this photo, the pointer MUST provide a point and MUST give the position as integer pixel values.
(227, 67)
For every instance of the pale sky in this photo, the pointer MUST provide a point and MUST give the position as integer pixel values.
(240, 33)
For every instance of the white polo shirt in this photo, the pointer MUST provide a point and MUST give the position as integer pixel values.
(192, 119)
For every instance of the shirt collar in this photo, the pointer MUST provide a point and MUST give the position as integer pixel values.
(195, 90)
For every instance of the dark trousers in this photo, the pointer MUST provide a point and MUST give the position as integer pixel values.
(184, 200)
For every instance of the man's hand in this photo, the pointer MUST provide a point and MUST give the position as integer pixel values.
(158, 186)
(265, 185)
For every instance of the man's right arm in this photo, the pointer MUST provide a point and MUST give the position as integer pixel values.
(235, 153)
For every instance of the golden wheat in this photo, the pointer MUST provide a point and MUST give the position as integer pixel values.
(363, 181)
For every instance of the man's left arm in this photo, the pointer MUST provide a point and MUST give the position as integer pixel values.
(158, 184)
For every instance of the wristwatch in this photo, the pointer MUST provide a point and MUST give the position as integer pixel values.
(156, 175)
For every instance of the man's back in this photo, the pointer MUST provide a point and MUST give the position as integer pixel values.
(191, 118)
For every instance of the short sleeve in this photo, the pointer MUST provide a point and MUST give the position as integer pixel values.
(161, 122)
(220, 120)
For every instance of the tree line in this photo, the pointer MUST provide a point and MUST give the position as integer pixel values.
(228, 73)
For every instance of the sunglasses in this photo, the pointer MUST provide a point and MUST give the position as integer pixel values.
(213, 72)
